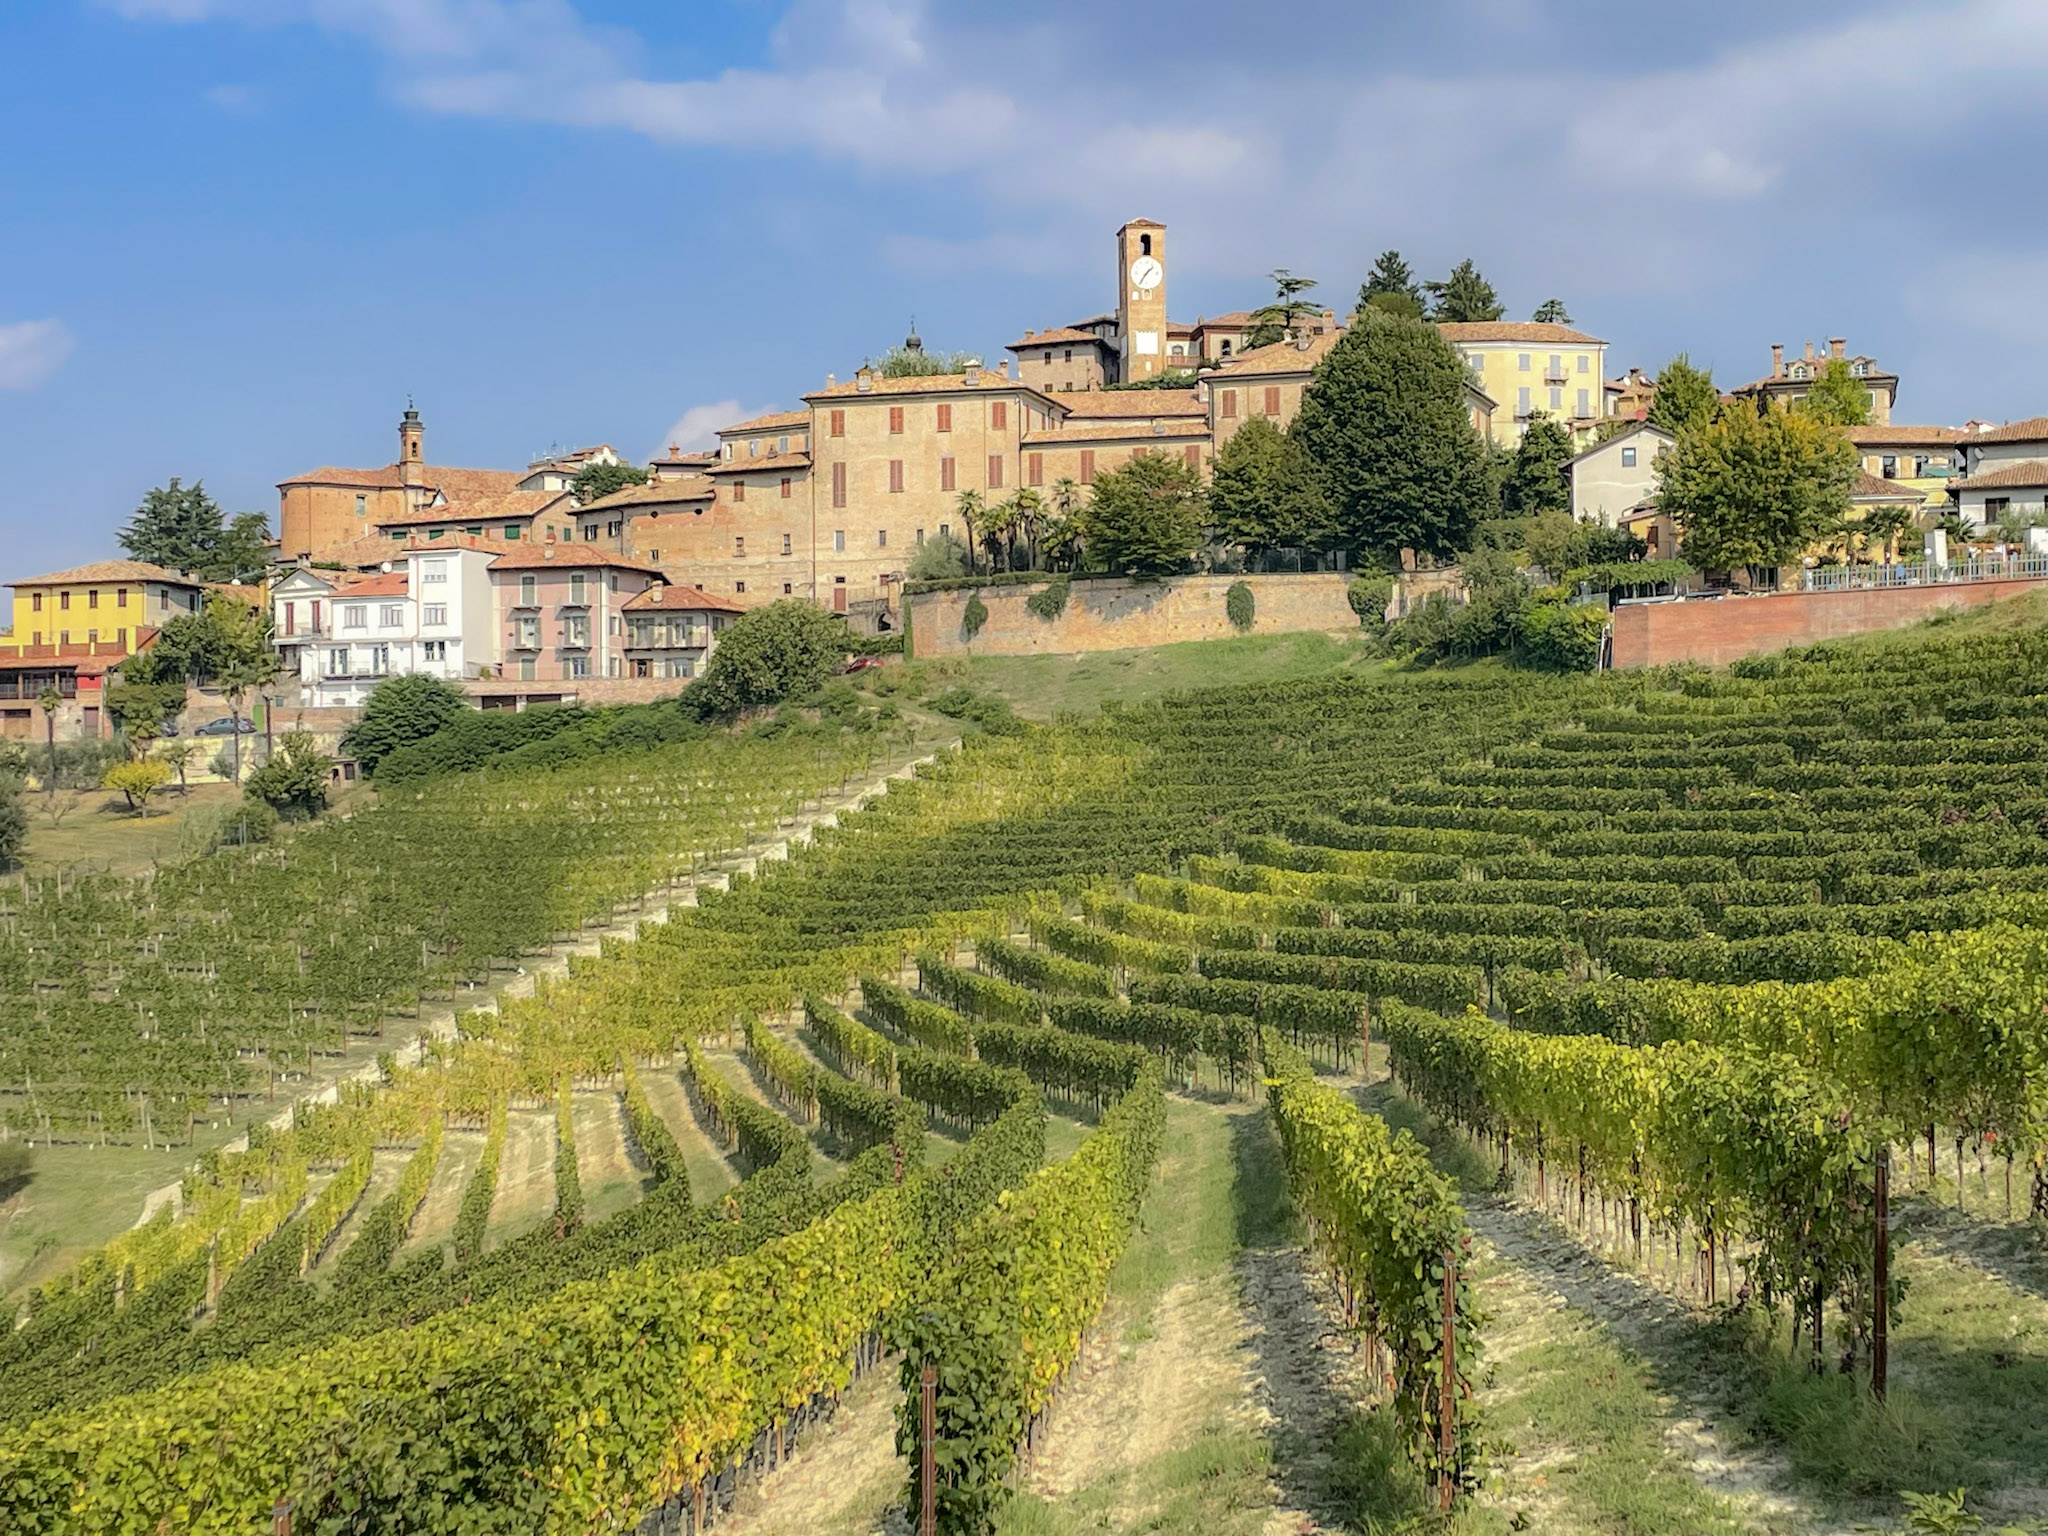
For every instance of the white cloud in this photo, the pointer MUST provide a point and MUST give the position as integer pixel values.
(32, 350)
(697, 428)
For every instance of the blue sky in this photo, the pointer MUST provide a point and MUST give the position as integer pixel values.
(235, 234)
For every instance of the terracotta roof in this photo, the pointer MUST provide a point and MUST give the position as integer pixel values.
(1233, 320)
(1872, 374)
(562, 555)
(109, 570)
(674, 597)
(374, 549)
(573, 458)
(2033, 429)
(922, 384)
(656, 493)
(1282, 357)
(251, 593)
(2024, 475)
(767, 463)
(1869, 487)
(769, 423)
(384, 584)
(1531, 331)
(1123, 404)
(450, 482)
(479, 509)
(1064, 335)
(1172, 427)
(1883, 437)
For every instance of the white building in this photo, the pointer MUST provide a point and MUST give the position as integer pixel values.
(341, 634)
(1612, 478)
(2005, 473)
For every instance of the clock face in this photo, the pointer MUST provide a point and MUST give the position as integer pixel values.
(1146, 273)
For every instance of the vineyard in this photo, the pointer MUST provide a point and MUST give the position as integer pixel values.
(1716, 976)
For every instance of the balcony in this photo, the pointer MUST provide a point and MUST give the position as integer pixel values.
(1557, 375)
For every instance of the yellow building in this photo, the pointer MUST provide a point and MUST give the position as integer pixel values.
(1787, 383)
(1927, 459)
(72, 627)
(1525, 366)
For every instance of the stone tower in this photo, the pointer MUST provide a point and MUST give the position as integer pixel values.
(412, 469)
(1141, 298)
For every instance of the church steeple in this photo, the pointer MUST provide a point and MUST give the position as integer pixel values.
(411, 456)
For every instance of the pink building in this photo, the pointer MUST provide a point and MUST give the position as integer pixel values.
(560, 610)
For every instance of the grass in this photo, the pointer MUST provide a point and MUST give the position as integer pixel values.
(101, 831)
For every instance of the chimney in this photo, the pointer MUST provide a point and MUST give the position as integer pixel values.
(973, 375)
(1003, 368)
(1809, 351)
(1777, 359)
(1838, 346)
(831, 381)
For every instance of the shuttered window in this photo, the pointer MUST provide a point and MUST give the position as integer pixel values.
(838, 482)
(896, 420)
(1273, 401)
(945, 416)
(1229, 405)
(839, 423)
(998, 417)
(1087, 466)
(1035, 469)
(896, 475)
(946, 473)
(995, 471)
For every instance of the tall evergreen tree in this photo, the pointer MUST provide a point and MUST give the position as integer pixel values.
(1391, 287)
(1535, 480)
(1145, 517)
(1463, 297)
(1552, 312)
(1385, 424)
(1275, 321)
(1685, 397)
(180, 527)
(1265, 493)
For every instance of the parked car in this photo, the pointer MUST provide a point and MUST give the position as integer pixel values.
(227, 725)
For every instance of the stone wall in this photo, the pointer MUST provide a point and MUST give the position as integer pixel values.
(1718, 630)
(1114, 614)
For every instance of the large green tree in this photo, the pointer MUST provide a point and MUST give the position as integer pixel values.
(1464, 296)
(1265, 493)
(180, 527)
(1685, 396)
(1838, 398)
(1275, 321)
(783, 651)
(1145, 517)
(398, 712)
(1391, 287)
(1754, 488)
(1535, 480)
(1385, 423)
(294, 782)
(226, 635)
(1552, 312)
(603, 478)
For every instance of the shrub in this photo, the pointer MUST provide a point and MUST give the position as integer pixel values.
(1240, 605)
(137, 780)
(13, 819)
(1052, 602)
(209, 828)
(294, 782)
(1561, 637)
(878, 645)
(973, 616)
(783, 651)
(1368, 597)
(16, 1167)
(939, 558)
(401, 710)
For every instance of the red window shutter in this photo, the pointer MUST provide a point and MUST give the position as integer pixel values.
(785, 487)
(946, 473)
(291, 615)
(838, 482)
(1193, 455)
(1087, 466)
(995, 471)
(1037, 468)
(999, 414)
(945, 416)
(896, 420)
(839, 423)
(1272, 401)
(1229, 405)
(895, 474)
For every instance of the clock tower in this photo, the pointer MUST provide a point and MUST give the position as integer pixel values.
(1141, 298)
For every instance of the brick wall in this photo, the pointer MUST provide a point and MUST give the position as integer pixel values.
(1726, 629)
(1104, 614)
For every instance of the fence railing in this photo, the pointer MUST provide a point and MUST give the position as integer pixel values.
(1858, 578)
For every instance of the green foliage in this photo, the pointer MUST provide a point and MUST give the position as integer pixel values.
(142, 709)
(137, 779)
(294, 781)
(1837, 397)
(1145, 518)
(783, 651)
(226, 641)
(17, 1167)
(990, 711)
(568, 1186)
(916, 363)
(1265, 493)
(973, 616)
(544, 737)
(1052, 601)
(601, 478)
(237, 824)
(1165, 378)
(1551, 312)
(1562, 637)
(1385, 423)
(1685, 396)
(1755, 488)
(1535, 480)
(1277, 320)
(13, 817)
(1464, 296)
(181, 528)
(401, 710)
(1369, 596)
(1391, 288)
(1560, 543)
(941, 557)
(1240, 607)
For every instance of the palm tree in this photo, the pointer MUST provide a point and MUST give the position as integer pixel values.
(50, 699)
(973, 508)
(252, 670)
(1061, 531)
(999, 533)
(1026, 506)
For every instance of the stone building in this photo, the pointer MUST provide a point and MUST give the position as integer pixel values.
(329, 506)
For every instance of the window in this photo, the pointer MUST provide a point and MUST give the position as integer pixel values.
(362, 506)
(1226, 406)
(920, 538)
(1556, 398)
(35, 602)
(434, 650)
(576, 630)
(579, 588)
(337, 662)
(615, 527)
(881, 538)
(1556, 366)
(390, 616)
(1522, 401)
(782, 443)
(1047, 359)
(526, 669)
(579, 666)
(1522, 362)
(1890, 470)
(1996, 507)
(1067, 355)
(998, 415)
(1087, 466)
(896, 476)
(526, 634)
(1628, 458)
(1192, 454)
(355, 616)
(1585, 403)
(121, 637)
(92, 637)
(92, 598)
(838, 485)
(945, 473)
(739, 490)
(64, 600)
(380, 660)
(291, 618)
(895, 421)
(785, 544)
(1584, 365)
(839, 541)
(945, 530)
(739, 586)
(753, 447)
(527, 595)
(838, 424)
(1273, 400)
(739, 546)
(437, 613)
(785, 487)
(63, 637)
(1144, 245)
(945, 412)
(1034, 468)
(787, 590)
(1477, 362)
(590, 533)
(433, 570)
(511, 530)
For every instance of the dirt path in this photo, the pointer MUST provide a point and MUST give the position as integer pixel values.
(710, 1173)
(461, 1151)
(526, 1176)
(841, 1480)
(385, 1167)
(610, 1178)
